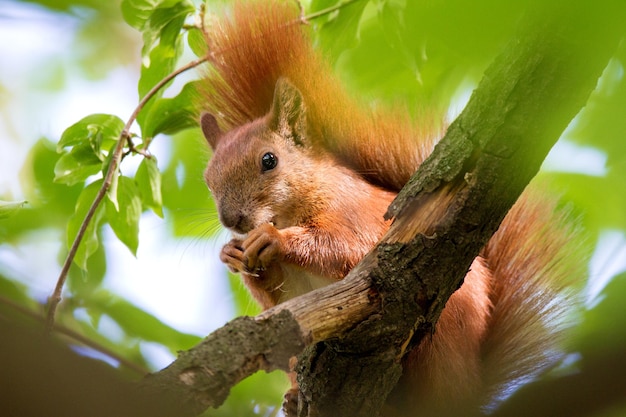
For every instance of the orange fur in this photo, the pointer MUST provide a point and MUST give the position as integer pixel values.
(309, 219)
(536, 260)
(445, 367)
(505, 324)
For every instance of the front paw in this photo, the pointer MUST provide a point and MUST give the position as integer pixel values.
(232, 256)
(290, 402)
(263, 246)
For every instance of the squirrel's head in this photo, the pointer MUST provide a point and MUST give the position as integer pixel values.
(254, 167)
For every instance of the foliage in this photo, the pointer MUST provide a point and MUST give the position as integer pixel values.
(8, 208)
(419, 54)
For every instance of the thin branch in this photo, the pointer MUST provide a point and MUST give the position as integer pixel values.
(125, 135)
(74, 335)
(328, 10)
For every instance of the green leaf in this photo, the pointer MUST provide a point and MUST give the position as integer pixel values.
(77, 165)
(339, 28)
(162, 58)
(37, 179)
(80, 282)
(125, 221)
(171, 115)
(101, 131)
(89, 243)
(165, 23)
(318, 5)
(196, 42)
(9, 208)
(89, 138)
(148, 179)
(162, 62)
(392, 20)
(137, 12)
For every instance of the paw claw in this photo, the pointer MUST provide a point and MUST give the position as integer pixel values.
(290, 403)
(264, 246)
(253, 256)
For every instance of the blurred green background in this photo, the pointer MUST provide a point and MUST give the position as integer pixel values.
(63, 60)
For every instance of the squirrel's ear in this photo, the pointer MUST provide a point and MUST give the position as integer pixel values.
(288, 113)
(210, 129)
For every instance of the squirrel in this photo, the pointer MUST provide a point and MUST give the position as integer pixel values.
(302, 174)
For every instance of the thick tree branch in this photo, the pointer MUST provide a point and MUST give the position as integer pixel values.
(444, 216)
(203, 376)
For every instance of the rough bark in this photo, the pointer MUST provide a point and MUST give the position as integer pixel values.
(358, 329)
(458, 198)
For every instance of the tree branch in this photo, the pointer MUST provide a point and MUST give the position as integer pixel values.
(140, 370)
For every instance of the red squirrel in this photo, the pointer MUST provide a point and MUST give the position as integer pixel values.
(302, 174)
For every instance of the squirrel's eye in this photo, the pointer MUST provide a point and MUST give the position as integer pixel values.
(268, 161)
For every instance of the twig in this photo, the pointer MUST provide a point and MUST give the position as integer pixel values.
(201, 17)
(74, 335)
(328, 10)
(55, 298)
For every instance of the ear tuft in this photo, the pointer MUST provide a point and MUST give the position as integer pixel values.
(288, 113)
(210, 129)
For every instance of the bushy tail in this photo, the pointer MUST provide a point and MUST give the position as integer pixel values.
(536, 265)
(264, 41)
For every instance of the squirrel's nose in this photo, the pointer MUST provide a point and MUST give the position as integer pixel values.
(235, 221)
(231, 219)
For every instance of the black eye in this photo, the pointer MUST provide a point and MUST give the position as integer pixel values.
(268, 161)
